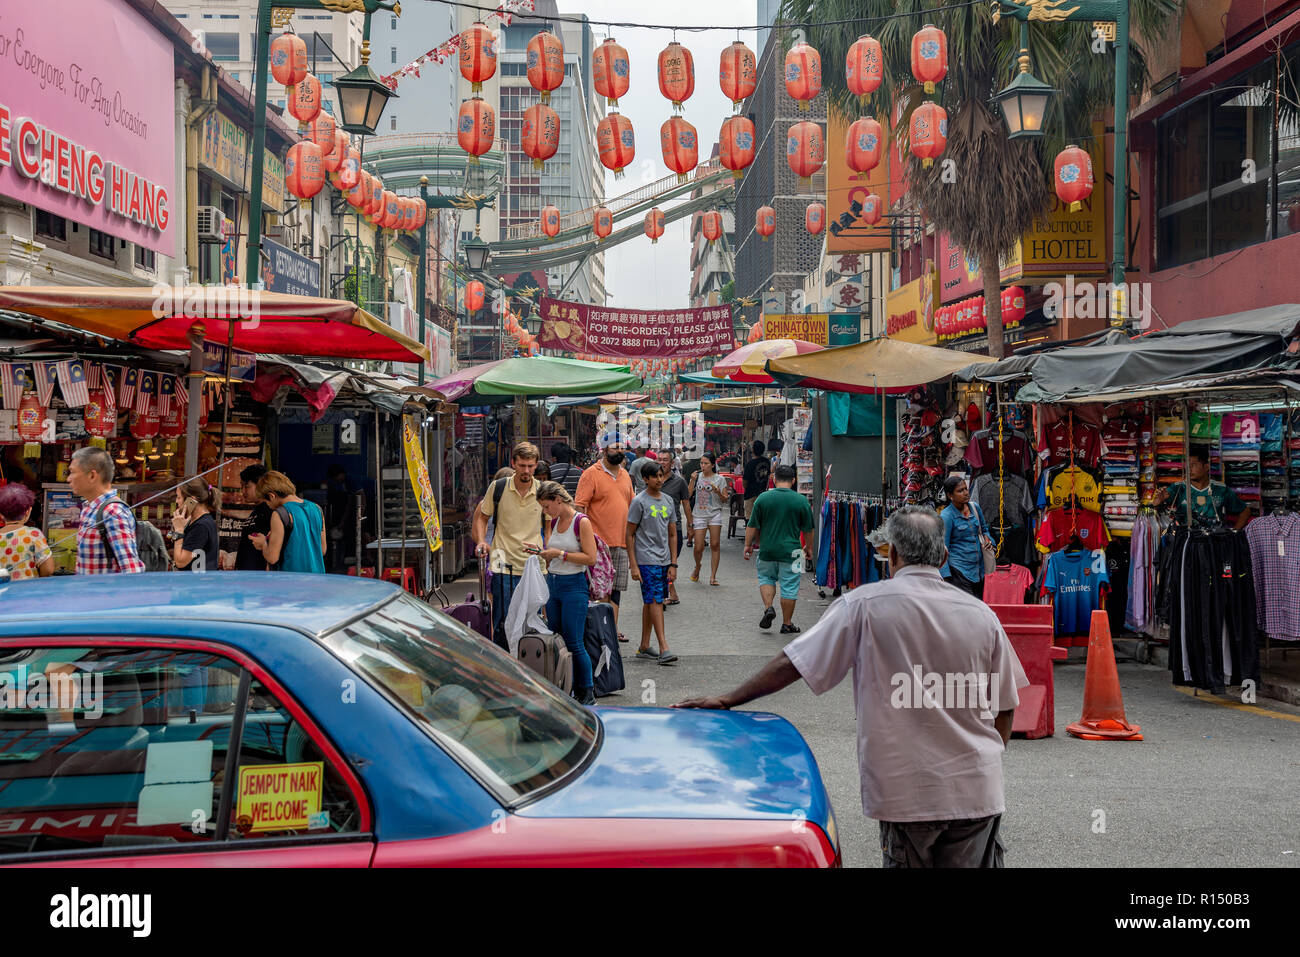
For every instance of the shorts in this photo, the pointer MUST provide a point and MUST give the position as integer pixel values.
(619, 557)
(749, 507)
(769, 573)
(705, 519)
(970, 843)
(654, 583)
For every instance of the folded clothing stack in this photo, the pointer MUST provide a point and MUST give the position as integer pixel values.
(1240, 452)
(1123, 437)
(1168, 450)
(1272, 460)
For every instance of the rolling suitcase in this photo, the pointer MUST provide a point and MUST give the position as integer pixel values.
(601, 639)
(547, 655)
(474, 612)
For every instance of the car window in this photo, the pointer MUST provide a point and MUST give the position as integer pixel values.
(497, 717)
(120, 747)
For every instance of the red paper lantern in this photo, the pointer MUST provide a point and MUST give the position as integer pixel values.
(539, 137)
(376, 204)
(392, 211)
(654, 224)
(609, 71)
(304, 170)
(929, 132)
(676, 73)
(765, 221)
(1073, 176)
(864, 145)
(616, 142)
(737, 140)
(477, 127)
(864, 67)
(738, 73)
(805, 151)
(814, 218)
(929, 56)
(545, 64)
(304, 100)
(680, 145)
(474, 294)
(478, 55)
(550, 221)
(172, 424)
(338, 153)
(321, 131)
(31, 418)
(421, 212)
(1013, 307)
(602, 223)
(95, 415)
(359, 192)
(145, 426)
(873, 209)
(803, 73)
(409, 207)
(348, 174)
(711, 225)
(288, 59)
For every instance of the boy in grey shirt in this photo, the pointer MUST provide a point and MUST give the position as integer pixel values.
(651, 549)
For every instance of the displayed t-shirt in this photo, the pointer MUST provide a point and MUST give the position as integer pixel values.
(1209, 505)
(757, 471)
(1065, 481)
(1007, 585)
(779, 515)
(982, 453)
(1016, 500)
(651, 515)
(1087, 442)
(1060, 525)
(1076, 581)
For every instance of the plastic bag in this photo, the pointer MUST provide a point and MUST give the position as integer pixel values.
(530, 595)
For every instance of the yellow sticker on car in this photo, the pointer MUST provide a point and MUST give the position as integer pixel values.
(279, 797)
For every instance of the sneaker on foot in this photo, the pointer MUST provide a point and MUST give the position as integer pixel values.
(769, 616)
(789, 629)
(645, 654)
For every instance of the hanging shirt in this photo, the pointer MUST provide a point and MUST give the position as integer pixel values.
(1017, 500)
(1087, 442)
(1065, 481)
(1060, 525)
(1075, 580)
(1007, 585)
(1275, 564)
(982, 453)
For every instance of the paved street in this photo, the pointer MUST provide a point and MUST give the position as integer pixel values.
(1210, 786)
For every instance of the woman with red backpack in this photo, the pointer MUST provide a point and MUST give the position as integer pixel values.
(570, 553)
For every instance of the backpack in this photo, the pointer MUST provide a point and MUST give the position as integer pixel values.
(286, 519)
(149, 542)
(600, 576)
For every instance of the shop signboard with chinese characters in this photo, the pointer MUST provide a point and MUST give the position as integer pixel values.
(844, 187)
(959, 271)
(87, 126)
(819, 328)
(909, 310)
(223, 150)
(284, 270)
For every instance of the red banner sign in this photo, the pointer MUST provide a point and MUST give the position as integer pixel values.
(628, 333)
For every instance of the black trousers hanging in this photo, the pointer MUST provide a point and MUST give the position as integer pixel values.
(1212, 604)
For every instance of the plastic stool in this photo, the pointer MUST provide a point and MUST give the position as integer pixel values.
(367, 572)
(406, 576)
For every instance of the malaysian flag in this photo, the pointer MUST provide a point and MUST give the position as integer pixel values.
(13, 383)
(46, 375)
(110, 377)
(182, 393)
(126, 390)
(94, 379)
(72, 383)
(166, 389)
(146, 392)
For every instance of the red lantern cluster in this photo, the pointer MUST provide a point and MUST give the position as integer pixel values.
(814, 218)
(1072, 176)
(803, 74)
(676, 74)
(539, 136)
(476, 128)
(680, 145)
(616, 143)
(864, 67)
(969, 316)
(545, 64)
(737, 143)
(738, 73)
(654, 224)
(610, 71)
(478, 55)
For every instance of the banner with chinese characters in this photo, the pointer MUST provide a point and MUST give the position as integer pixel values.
(634, 333)
(419, 474)
(847, 233)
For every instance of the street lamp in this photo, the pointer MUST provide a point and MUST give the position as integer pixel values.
(476, 254)
(1024, 102)
(362, 98)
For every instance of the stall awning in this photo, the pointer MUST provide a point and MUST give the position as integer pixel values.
(709, 382)
(261, 321)
(548, 375)
(870, 366)
(461, 381)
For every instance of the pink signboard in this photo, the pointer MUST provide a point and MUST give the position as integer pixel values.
(959, 272)
(626, 333)
(86, 117)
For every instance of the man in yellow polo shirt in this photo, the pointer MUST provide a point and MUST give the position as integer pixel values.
(512, 502)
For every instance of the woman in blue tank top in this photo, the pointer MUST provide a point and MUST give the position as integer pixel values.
(299, 545)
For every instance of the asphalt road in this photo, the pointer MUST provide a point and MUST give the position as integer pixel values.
(1210, 786)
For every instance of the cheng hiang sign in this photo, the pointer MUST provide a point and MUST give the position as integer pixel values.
(86, 117)
(628, 333)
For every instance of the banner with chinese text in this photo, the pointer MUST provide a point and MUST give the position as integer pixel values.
(419, 474)
(634, 333)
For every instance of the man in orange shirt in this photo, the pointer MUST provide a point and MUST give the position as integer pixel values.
(604, 494)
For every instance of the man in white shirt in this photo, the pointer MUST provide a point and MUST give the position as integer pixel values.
(936, 690)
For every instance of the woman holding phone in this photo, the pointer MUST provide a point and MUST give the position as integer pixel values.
(196, 545)
(570, 550)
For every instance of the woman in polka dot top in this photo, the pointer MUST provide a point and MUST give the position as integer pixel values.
(23, 550)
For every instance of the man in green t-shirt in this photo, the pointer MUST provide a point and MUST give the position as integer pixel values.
(1212, 502)
(778, 516)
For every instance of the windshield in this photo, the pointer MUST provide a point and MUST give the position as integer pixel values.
(497, 717)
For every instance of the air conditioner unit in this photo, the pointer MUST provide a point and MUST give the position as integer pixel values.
(211, 224)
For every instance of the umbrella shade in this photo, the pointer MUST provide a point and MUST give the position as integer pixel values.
(457, 384)
(747, 364)
(706, 380)
(260, 321)
(870, 366)
(549, 375)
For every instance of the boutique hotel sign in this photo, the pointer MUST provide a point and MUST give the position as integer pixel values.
(85, 125)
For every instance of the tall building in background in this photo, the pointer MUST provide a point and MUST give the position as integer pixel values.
(713, 264)
(767, 11)
(426, 103)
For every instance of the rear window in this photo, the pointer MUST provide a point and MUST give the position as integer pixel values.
(508, 726)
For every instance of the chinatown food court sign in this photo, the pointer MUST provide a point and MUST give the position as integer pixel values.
(86, 128)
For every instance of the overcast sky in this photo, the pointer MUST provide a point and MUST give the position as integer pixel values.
(639, 274)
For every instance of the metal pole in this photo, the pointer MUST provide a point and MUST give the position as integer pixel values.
(253, 263)
(1120, 239)
(424, 266)
(194, 410)
(379, 504)
(356, 246)
(1187, 464)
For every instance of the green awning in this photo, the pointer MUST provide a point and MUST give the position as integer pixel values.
(709, 382)
(549, 375)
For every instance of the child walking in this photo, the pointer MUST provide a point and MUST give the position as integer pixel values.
(651, 549)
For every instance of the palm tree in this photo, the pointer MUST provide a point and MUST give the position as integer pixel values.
(1002, 186)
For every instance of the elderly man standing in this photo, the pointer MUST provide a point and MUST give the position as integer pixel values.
(936, 684)
(106, 536)
(604, 495)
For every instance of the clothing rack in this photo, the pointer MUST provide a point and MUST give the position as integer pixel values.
(863, 498)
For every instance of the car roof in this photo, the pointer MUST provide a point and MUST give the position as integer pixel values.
(310, 603)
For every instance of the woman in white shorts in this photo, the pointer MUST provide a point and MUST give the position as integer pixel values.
(709, 491)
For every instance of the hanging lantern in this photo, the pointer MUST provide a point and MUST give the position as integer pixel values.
(477, 128)
(711, 225)
(609, 71)
(765, 221)
(1013, 308)
(814, 218)
(1073, 176)
(545, 64)
(738, 73)
(478, 55)
(145, 426)
(171, 425)
(864, 67)
(357, 194)
(288, 59)
(736, 150)
(392, 211)
(616, 143)
(539, 137)
(550, 221)
(376, 204)
(803, 74)
(338, 153)
(304, 100)
(654, 224)
(97, 418)
(680, 145)
(676, 74)
(348, 173)
(602, 223)
(321, 131)
(863, 146)
(873, 209)
(304, 170)
(421, 212)
(408, 205)
(929, 132)
(929, 56)
(805, 151)
(31, 424)
(474, 294)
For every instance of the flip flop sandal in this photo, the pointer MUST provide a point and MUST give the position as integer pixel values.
(622, 637)
(675, 601)
(695, 577)
(667, 658)
(647, 655)
(715, 582)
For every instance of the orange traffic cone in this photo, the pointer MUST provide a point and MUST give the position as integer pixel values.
(1103, 703)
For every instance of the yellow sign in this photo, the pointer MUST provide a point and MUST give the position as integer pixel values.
(844, 187)
(223, 149)
(280, 797)
(419, 474)
(909, 309)
(810, 327)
